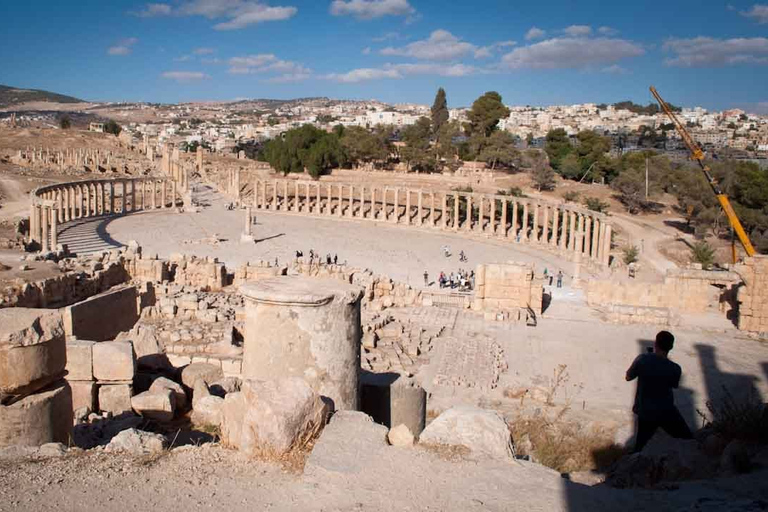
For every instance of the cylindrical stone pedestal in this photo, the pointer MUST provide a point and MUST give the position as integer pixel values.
(392, 399)
(305, 327)
(45, 417)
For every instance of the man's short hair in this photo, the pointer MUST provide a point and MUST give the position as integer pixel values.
(665, 340)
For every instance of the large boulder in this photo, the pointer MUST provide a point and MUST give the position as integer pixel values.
(136, 442)
(33, 352)
(272, 418)
(159, 406)
(483, 432)
(162, 384)
(208, 411)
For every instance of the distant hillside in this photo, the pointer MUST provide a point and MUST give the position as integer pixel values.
(12, 96)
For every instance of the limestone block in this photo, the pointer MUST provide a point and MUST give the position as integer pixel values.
(232, 367)
(114, 361)
(400, 436)
(80, 360)
(162, 384)
(103, 316)
(205, 371)
(208, 411)
(115, 398)
(159, 405)
(338, 449)
(392, 399)
(136, 442)
(32, 349)
(40, 418)
(83, 394)
(272, 417)
(483, 432)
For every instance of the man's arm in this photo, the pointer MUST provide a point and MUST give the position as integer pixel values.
(632, 370)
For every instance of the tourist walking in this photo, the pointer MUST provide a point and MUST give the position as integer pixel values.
(426, 278)
(654, 404)
(560, 279)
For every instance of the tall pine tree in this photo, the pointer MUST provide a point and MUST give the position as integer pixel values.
(439, 111)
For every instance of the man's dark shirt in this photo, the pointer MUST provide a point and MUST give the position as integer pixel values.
(656, 377)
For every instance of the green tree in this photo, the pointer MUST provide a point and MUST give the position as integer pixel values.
(446, 150)
(363, 146)
(703, 253)
(439, 111)
(570, 166)
(499, 149)
(631, 254)
(64, 122)
(112, 127)
(595, 204)
(543, 178)
(305, 148)
(557, 146)
(485, 114)
(416, 152)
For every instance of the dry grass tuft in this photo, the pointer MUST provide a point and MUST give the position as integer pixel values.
(561, 445)
(745, 419)
(450, 453)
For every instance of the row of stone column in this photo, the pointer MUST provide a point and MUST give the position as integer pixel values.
(56, 204)
(72, 156)
(521, 220)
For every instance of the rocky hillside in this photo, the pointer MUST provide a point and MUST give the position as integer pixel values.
(10, 96)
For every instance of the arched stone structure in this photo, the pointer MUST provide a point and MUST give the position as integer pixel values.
(574, 232)
(56, 204)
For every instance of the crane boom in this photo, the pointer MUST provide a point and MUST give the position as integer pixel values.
(698, 155)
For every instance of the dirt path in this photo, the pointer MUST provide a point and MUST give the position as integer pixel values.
(647, 238)
(15, 200)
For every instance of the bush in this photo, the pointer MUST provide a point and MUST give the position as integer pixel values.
(745, 419)
(65, 123)
(595, 204)
(571, 196)
(631, 254)
(112, 127)
(703, 253)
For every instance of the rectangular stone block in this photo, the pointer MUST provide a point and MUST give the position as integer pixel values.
(83, 394)
(115, 398)
(80, 360)
(103, 316)
(114, 361)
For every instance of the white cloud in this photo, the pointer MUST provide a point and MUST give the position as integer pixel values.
(363, 74)
(214, 60)
(607, 31)
(366, 50)
(534, 33)
(711, 52)
(289, 78)
(578, 30)
(185, 76)
(123, 47)
(441, 45)
(252, 61)
(387, 37)
(204, 51)
(487, 51)
(238, 13)
(615, 70)
(398, 71)
(571, 53)
(269, 64)
(152, 10)
(370, 9)
(183, 58)
(759, 13)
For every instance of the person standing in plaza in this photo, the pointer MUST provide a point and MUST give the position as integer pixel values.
(559, 278)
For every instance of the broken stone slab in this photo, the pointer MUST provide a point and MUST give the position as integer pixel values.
(83, 394)
(206, 371)
(158, 406)
(483, 432)
(51, 450)
(272, 418)
(162, 384)
(115, 398)
(348, 434)
(43, 417)
(33, 352)
(114, 361)
(136, 442)
(200, 391)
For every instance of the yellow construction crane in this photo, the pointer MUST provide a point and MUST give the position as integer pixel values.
(698, 155)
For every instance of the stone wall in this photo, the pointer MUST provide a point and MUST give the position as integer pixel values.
(683, 291)
(507, 287)
(753, 295)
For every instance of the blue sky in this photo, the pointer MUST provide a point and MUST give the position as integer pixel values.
(713, 54)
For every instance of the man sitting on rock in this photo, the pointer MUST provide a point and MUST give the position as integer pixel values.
(654, 403)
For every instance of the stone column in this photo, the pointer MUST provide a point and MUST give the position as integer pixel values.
(318, 200)
(275, 203)
(133, 196)
(361, 213)
(456, 199)
(32, 222)
(173, 195)
(112, 197)
(563, 229)
(535, 232)
(350, 212)
(341, 200)
(481, 215)
(579, 233)
(524, 226)
(595, 237)
(421, 213)
(606, 256)
(432, 220)
(503, 220)
(553, 240)
(54, 233)
(296, 200)
(492, 225)
(468, 226)
(163, 199)
(396, 211)
(47, 217)
(407, 207)
(321, 318)
(587, 233)
(572, 230)
(444, 211)
(329, 204)
(513, 231)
